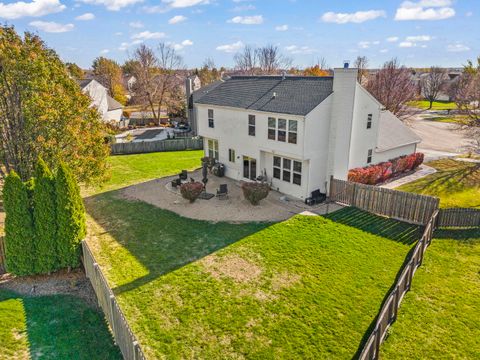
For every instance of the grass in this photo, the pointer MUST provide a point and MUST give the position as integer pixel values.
(126, 170)
(52, 327)
(455, 119)
(437, 105)
(305, 288)
(456, 183)
(439, 317)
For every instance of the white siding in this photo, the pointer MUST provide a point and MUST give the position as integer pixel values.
(379, 157)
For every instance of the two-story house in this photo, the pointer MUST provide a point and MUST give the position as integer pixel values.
(109, 109)
(298, 131)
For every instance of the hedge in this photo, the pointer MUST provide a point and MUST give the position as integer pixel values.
(19, 231)
(381, 172)
(70, 218)
(45, 222)
(255, 191)
(191, 190)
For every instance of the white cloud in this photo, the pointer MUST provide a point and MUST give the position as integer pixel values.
(419, 38)
(469, 13)
(425, 10)
(52, 27)
(85, 17)
(185, 3)
(105, 51)
(406, 44)
(36, 8)
(392, 39)
(247, 7)
(383, 51)
(113, 5)
(357, 17)
(230, 48)
(281, 28)
(148, 35)
(294, 49)
(182, 45)
(177, 19)
(125, 45)
(247, 20)
(136, 24)
(457, 48)
(118, 33)
(367, 44)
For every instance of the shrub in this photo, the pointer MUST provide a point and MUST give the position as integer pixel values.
(19, 232)
(70, 218)
(44, 216)
(191, 190)
(378, 173)
(254, 191)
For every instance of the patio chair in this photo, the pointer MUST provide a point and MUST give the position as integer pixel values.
(315, 198)
(183, 175)
(222, 193)
(176, 182)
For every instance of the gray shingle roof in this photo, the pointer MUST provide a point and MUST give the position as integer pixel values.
(393, 133)
(113, 104)
(296, 95)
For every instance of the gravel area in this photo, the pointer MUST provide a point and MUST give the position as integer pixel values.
(276, 207)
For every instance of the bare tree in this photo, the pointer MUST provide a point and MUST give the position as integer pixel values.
(466, 93)
(392, 86)
(247, 60)
(271, 60)
(432, 83)
(156, 83)
(361, 63)
(322, 63)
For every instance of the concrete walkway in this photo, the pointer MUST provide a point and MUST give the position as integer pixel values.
(423, 171)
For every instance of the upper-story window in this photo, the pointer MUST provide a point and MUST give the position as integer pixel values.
(282, 129)
(211, 123)
(251, 125)
(369, 121)
(369, 156)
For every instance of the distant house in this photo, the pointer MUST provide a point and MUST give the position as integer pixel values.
(129, 83)
(109, 108)
(297, 131)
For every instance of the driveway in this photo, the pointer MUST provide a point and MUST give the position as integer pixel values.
(439, 139)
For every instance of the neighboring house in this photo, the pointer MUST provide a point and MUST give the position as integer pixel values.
(109, 108)
(298, 131)
(129, 84)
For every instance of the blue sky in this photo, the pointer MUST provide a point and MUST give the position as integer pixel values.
(417, 32)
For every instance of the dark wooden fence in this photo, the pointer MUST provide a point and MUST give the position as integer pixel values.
(389, 310)
(157, 146)
(459, 217)
(122, 333)
(408, 207)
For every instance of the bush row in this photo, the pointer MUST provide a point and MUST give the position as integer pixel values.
(379, 173)
(44, 223)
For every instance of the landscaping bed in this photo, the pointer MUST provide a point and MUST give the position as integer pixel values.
(439, 316)
(456, 183)
(309, 287)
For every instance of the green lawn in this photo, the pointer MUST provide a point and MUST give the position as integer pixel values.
(457, 183)
(455, 119)
(125, 170)
(437, 105)
(52, 327)
(439, 317)
(305, 288)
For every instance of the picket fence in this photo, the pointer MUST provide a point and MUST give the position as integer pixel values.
(459, 217)
(121, 331)
(157, 146)
(408, 207)
(389, 310)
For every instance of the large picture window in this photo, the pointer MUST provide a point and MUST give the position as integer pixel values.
(287, 170)
(282, 130)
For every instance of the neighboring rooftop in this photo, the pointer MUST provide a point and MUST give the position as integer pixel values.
(113, 104)
(296, 95)
(392, 133)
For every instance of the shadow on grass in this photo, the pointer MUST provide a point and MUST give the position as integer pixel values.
(388, 228)
(471, 235)
(63, 327)
(161, 240)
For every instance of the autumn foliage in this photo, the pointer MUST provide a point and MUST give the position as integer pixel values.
(379, 173)
(255, 191)
(315, 71)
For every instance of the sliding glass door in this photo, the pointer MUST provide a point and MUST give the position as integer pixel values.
(249, 168)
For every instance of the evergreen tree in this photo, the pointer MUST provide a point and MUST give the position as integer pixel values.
(44, 216)
(70, 218)
(19, 232)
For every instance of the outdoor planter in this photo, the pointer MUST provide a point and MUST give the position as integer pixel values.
(191, 191)
(255, 191)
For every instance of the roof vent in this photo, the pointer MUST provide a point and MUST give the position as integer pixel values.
(274, 95)
(284, 73)
(346, 64)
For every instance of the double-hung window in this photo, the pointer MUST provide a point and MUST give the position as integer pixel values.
(369, 156)
(282, 130)
(213, 149)
(369, 121)
(287, 170)
(251, 125)
(231, 155)
(211, 123)
(272, 128)
(292, 131)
